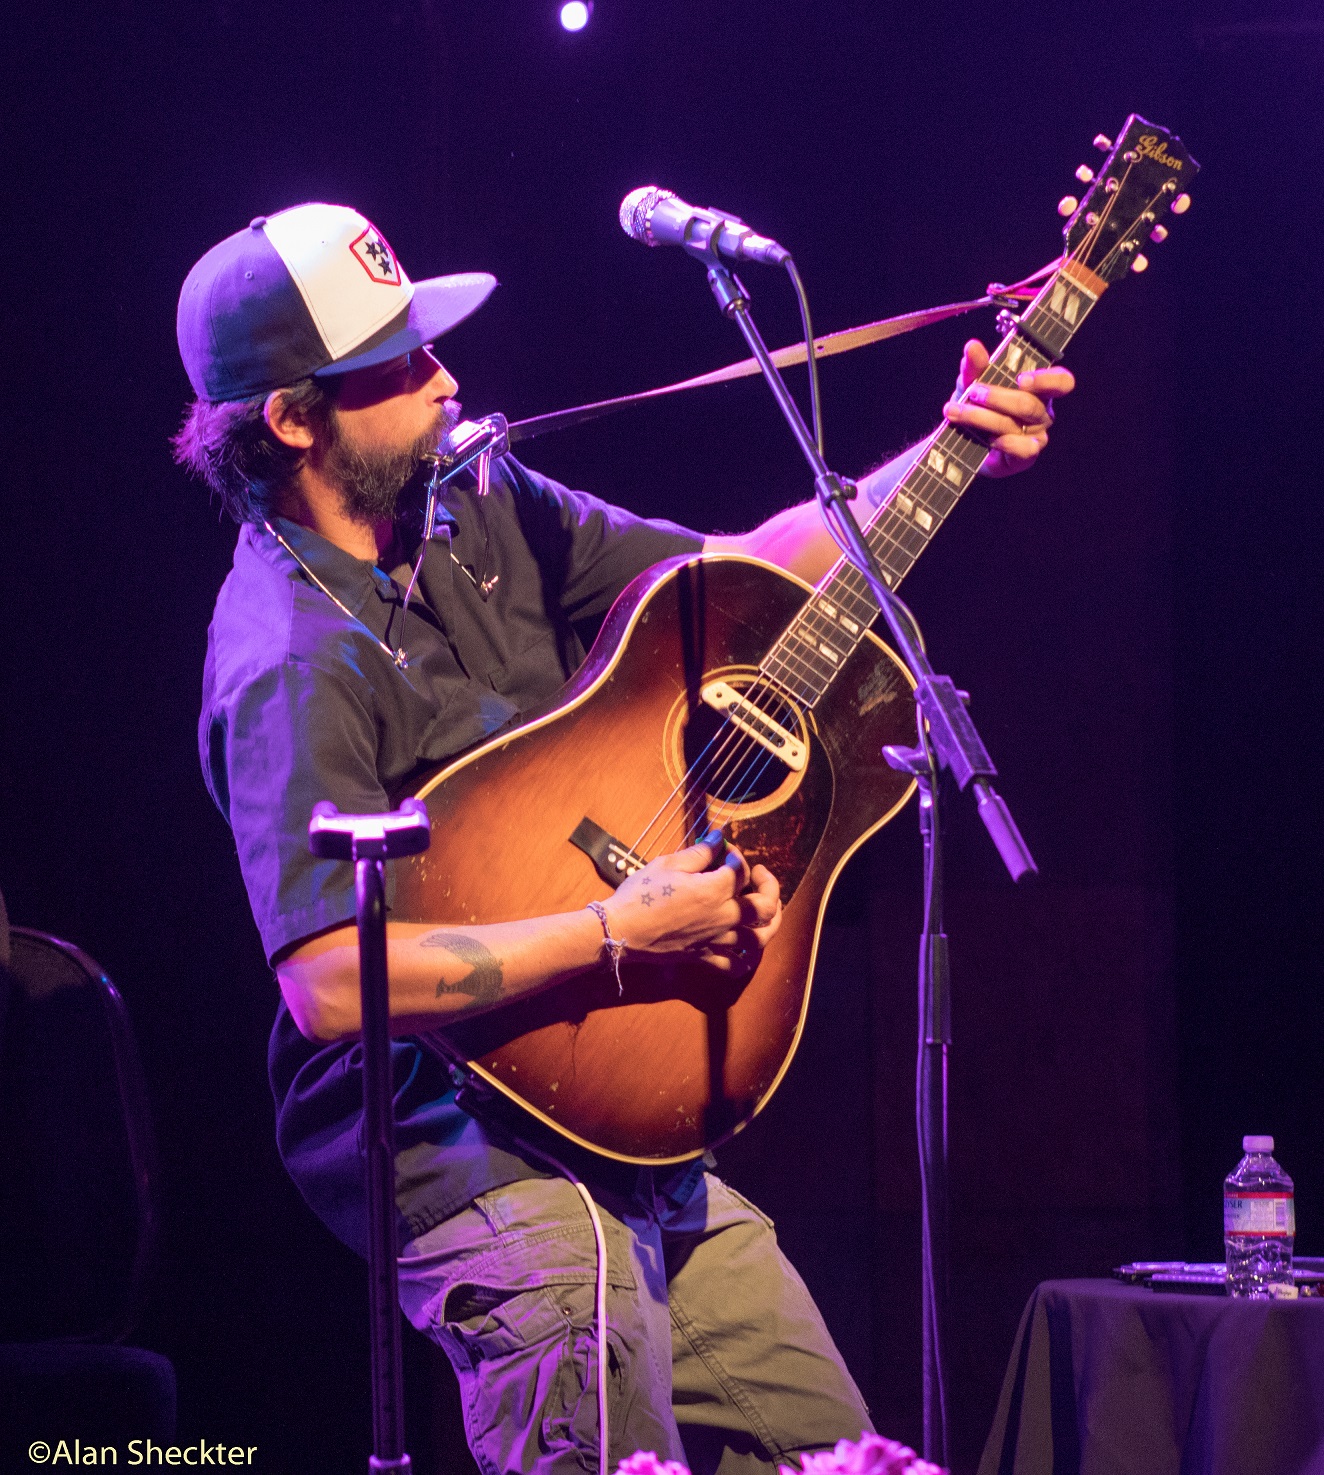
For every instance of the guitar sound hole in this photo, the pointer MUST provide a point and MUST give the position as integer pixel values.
(731, 766)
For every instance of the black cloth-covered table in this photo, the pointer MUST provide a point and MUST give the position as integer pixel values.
(1111, 1379)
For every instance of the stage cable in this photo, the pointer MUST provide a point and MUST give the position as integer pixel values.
(599, 1288)
(811, 355)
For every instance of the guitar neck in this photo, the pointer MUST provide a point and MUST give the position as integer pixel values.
(816, 644)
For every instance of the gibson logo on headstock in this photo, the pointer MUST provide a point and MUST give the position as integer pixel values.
(1150, 146)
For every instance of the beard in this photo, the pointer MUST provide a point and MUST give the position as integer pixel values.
(371, 481)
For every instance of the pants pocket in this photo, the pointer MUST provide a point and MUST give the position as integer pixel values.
(527, 1365)
(489, 1322)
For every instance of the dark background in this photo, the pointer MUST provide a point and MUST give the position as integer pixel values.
(1138, 618)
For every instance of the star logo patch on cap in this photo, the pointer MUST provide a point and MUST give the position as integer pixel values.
(376, 257)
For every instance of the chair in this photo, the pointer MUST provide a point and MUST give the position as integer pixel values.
(78, 1214)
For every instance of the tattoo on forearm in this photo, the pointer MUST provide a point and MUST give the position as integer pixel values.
(483, 983)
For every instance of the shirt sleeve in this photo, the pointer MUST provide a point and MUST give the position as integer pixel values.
(590, 549)
(274, 746)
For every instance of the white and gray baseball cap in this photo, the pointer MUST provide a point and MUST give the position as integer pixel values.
(316, 290)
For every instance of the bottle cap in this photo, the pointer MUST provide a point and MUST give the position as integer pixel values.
(1257, 1144)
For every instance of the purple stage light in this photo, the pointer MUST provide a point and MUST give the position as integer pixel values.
(575, 14)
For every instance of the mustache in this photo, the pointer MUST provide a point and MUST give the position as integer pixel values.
(452, 412)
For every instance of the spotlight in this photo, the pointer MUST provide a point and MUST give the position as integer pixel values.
(575, 14)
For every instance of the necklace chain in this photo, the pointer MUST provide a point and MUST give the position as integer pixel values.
(398, 657)
(484, 585)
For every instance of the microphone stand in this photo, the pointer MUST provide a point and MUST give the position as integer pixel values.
(369, 840)
(946, 739)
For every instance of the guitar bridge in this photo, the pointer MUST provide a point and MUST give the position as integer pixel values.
(756, 723)
(612, 860)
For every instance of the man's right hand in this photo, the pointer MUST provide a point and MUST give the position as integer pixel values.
(723, 912)
(704, 902)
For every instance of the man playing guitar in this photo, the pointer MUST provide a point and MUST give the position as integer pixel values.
(317, 392)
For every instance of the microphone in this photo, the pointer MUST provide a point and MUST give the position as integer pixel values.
(658, 217)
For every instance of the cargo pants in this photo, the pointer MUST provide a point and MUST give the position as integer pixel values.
(717, 1356)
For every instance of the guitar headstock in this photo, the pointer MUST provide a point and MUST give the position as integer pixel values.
(1145, 178)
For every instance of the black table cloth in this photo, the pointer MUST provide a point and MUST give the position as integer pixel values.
(1112, 1379)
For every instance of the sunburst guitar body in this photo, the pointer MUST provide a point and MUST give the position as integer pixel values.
(722, 691)
(681, 1056)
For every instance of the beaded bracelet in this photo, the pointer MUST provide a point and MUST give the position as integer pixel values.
(615, 947)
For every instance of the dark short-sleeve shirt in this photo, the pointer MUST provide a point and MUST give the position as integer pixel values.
(301, 703)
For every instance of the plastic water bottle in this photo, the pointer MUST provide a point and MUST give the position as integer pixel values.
(1259, 1222)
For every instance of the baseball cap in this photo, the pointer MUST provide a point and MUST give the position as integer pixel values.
(315, 289)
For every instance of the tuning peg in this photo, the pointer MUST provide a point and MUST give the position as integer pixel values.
(1102, 142)
(1140, 263)
(1181, 204)
(1084, 174)
(1067, 205)
(1159, 233)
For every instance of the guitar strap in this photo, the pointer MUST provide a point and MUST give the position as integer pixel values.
(832, 343)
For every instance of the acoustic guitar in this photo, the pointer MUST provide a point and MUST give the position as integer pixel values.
(723, 691)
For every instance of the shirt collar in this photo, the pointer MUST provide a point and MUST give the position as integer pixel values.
(352, 580)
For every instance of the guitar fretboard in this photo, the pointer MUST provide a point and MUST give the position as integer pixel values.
(814, 647)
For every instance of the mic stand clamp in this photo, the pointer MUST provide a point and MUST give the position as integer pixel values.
(832, 489)
(947, 739)
(368, 841)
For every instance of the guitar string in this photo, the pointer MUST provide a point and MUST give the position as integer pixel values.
(736, 746)
(718, 772)
(723, 765)
(688, 777)
(1116, 250)
(784, 651)
(730, 750)
(784, 716)
(1092, 237)
(722, 756)
(812, 613)
(766, 685)
(817, 623)
(1113, 198)
(737, 782)
(732, 738)
(810, 625)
